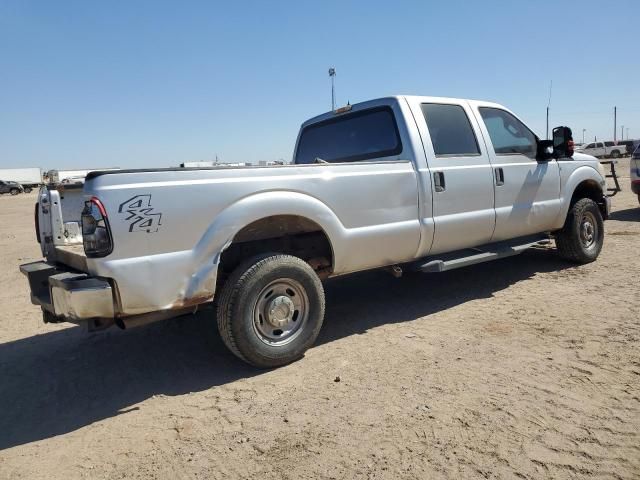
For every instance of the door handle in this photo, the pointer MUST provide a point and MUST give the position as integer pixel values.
(499, 176)
(438, 181)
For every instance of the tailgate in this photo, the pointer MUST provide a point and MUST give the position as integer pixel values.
(59, 211)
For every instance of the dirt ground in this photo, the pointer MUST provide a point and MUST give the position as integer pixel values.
(523, 368)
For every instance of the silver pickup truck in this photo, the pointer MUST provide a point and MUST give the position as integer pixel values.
(403, 183)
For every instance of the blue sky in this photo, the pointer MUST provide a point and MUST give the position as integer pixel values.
(154, 83)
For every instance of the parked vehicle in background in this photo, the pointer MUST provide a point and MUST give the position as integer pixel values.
(13, 188)
(403, 183)
(602, 149)
(635, 172)
(58, 176)
(627, 146)
(29, 178)
(614, 150)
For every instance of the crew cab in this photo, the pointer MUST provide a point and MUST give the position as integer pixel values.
(603, 149)
(402, 183)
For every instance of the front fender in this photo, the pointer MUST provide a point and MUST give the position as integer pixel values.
(579, 175)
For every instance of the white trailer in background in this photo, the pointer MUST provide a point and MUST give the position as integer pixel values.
(72, 176)
(29, 178)
(212, 164)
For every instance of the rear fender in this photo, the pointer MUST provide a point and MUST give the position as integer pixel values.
(247, 210)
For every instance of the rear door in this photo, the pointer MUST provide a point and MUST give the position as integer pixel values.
(368, 179)
(461, 175)
(527, 192)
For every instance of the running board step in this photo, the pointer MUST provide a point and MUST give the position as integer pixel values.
(468, 257)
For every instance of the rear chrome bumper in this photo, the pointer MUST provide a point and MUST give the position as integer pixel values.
(66, 295)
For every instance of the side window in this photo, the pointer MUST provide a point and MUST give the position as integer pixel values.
(508, 134)
(450, 129)
(364, 135)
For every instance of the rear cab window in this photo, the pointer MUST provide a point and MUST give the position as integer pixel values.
(365, 135)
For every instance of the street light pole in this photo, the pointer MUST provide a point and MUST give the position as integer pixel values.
(583, 131)
(332, 74)
(621, 132)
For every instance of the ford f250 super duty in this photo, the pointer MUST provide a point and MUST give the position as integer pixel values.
(404, 183)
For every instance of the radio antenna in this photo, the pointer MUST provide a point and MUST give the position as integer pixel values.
(548, 105)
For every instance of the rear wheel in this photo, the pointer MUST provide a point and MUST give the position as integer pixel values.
(582, 236)
(14, 191)
(615, 154)
(270, 310)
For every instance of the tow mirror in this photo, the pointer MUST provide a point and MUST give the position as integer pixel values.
(562, 142)
(545, 150)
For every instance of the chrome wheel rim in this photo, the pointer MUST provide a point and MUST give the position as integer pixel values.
(588, 230)
(280, 311)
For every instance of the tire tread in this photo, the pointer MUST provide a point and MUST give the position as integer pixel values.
(567, 244)
(232, 288)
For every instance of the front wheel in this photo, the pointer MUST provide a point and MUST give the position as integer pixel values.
(270, 310)
(27, 189)
(582, 236)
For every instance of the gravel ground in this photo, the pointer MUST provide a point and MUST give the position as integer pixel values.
(527, 367)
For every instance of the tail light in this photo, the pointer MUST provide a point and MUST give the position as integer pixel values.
(36, 219)
(96, 234)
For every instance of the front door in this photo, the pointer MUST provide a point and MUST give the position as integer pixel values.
(461, 174)
(527, 192)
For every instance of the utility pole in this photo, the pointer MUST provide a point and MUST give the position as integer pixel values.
(583, 131)
(332, 74)
(621, 132)
(615, 119)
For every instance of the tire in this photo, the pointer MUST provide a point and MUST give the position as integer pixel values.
(615, 154)
(270, 310)
(27, 189)
(582, 236)
(14, 191)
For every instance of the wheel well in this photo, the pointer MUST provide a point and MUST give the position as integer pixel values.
(291, 234)
(590, 189)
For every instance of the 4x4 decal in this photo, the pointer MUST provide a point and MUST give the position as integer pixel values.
(140, 214)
